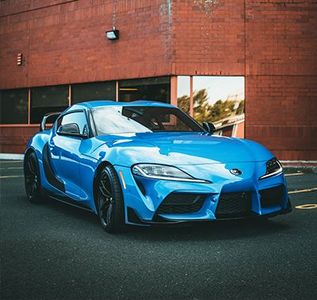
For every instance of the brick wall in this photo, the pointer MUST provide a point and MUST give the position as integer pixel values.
(281, 55)
(209, 37)
(65, 43)
(281, 113)
(271, 42)
(14, 139)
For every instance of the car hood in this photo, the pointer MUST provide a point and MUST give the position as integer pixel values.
(180, 149)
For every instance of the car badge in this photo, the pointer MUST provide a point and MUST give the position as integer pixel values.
(236, 172)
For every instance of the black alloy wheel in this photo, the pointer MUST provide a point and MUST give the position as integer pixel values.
(32, 178)
(110, 200)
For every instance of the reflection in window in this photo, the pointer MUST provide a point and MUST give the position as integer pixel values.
(156, 89)
(94, 91)
(48, 99)
(183, 93)
(14, 106)
(141, 119)
(78, 118)
(220, 99)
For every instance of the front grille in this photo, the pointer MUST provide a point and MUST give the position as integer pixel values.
(273, 196)
(181, 203)
(233, 205)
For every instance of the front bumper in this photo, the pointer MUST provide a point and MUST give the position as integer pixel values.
(135, 220)
(149, 201)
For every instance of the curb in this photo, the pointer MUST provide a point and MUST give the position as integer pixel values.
(299, 163)
(303, 166)
(10, 156)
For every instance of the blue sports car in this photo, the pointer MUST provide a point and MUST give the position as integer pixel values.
(146, 163)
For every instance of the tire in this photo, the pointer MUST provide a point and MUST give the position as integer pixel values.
(109, 201)
(32, 179)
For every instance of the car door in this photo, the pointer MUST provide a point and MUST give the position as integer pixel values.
(71, 130)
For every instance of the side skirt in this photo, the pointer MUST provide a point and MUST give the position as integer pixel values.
(68, 201)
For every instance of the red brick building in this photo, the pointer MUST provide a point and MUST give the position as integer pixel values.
(65, 58)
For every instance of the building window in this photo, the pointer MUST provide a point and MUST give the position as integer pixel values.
(156, 89)
(94, 91)
(14, 106)
(48, 99)
(216, 99)
(183, 93)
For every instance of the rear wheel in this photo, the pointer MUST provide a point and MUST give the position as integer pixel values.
(109, 200)
(32, 179)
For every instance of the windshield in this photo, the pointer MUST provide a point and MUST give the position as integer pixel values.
(139, 119)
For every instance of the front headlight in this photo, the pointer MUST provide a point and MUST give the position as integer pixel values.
(164, 172)
(273, 167)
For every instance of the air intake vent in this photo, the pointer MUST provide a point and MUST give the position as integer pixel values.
(273, 196)
(232, 205)
(181, 203)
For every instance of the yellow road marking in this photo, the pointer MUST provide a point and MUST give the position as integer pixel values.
(11, 176)
(306, 206)
(303, 191)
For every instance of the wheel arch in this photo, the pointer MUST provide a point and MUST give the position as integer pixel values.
(37, 197)
(27, 153)
(99, 168)
(116, 221)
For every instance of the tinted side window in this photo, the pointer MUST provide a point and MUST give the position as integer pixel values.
(78, 118)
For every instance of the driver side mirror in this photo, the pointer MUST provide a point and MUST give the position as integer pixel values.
(209, 127)
(71, 129)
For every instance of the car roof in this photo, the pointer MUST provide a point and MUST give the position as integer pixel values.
(102, 103)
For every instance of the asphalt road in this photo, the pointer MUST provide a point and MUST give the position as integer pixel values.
(53, 251)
